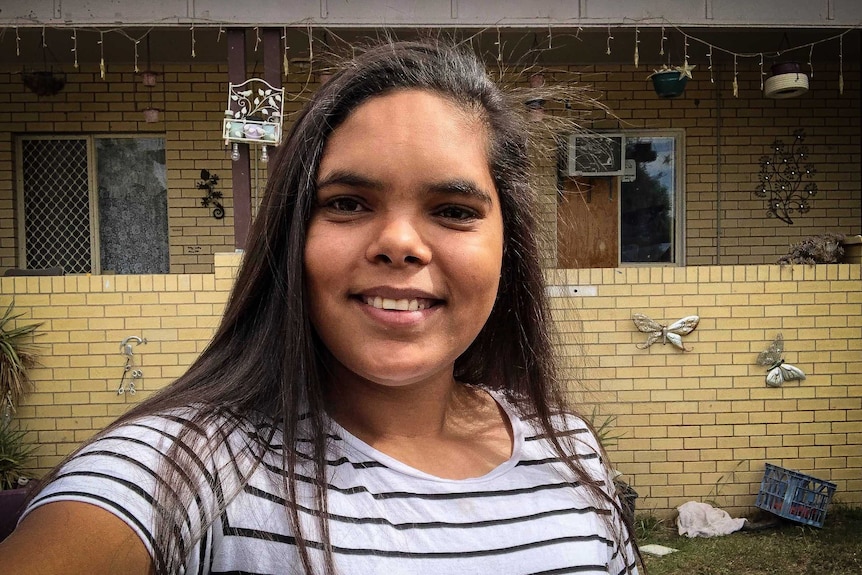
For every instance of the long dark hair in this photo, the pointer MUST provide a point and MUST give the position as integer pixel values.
(265, 359)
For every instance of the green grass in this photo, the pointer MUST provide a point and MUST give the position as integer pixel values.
(788, 549)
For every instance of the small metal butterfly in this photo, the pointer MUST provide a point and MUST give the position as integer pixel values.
(672, 333)
(778, 371)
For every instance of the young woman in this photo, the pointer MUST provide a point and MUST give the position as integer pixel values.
(381, 395)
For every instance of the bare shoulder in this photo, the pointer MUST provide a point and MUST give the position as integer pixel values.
(72, 538)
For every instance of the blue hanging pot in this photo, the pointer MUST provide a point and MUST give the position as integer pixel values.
(669, 83)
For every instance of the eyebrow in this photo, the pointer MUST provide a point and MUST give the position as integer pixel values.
(457, 186)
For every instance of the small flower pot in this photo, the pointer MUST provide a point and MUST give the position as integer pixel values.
(669, 84)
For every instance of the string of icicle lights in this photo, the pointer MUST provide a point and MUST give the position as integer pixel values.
(688, 39)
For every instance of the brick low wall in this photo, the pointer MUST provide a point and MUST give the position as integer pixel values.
(699, 425)
(694, 425)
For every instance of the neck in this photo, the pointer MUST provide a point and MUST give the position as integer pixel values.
(373, 411)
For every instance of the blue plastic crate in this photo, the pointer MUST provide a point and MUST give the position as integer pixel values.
(794, 495)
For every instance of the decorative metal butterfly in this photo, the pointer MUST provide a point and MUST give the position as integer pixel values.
(672, 333)
(778, 371)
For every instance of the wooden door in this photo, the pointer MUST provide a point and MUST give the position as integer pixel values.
(587, 223)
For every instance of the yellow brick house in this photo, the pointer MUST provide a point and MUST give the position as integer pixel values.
(102, 177)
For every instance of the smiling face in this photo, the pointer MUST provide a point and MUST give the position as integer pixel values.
(405, 244)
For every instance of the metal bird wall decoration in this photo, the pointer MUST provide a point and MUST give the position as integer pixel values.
(777, 371)
(666, 334)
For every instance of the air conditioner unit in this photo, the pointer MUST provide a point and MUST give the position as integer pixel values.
(596, 154)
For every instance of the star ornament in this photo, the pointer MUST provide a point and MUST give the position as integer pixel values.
(685, 70)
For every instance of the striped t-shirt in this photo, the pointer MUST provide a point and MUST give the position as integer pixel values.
(384, 517)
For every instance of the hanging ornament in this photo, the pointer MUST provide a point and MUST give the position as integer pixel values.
(17, 42)
(102, 55)
(637, 41)
(136, 55)
(192, 30)
(256, 37)
(608, 51)
(220, 32)
(663, 38)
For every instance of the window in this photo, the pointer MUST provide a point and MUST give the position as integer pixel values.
(649, 200)
(93, 204)
(608, 220)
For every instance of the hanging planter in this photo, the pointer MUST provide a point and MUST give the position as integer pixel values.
(787, 80)
(44, 83)
(669, 82)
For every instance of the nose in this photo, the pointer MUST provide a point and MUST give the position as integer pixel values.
(399, 241)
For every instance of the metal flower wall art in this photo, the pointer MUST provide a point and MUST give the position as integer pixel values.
(778, 371)
(665, 334)
(783, 178)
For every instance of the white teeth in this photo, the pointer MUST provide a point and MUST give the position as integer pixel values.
(397, 304)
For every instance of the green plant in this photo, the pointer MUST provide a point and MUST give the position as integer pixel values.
(17, 355)
(14, 453)
(604, 428)
(648, 526)
(720, 483)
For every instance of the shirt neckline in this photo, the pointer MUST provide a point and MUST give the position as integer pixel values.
(360, 446)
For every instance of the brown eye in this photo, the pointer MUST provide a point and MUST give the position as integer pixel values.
(344, 205)
(457, 213)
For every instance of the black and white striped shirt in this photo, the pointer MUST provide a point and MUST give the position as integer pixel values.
(384, 517)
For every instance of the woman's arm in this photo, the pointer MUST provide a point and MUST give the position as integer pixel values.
(73, 538)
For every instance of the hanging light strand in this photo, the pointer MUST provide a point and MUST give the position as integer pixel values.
(663, 38)
(192, 30)
(735, 78)
(637, 41)
(610, 37)
(75, 47)
(101, 54)
(762, 73)
(136, 55)
(285, 62)
(841, 66)
(17, 42)
(709, 55)
(44, 43)
(811, 59)
(256, 37)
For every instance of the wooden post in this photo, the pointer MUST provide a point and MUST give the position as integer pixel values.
(272, 67)
(240, 172)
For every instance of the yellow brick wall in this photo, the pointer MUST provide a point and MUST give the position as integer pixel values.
(694, 425)
(700, 424)
(193, 99)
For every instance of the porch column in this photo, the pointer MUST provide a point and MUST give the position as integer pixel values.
(272, 67)
(240, 170)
